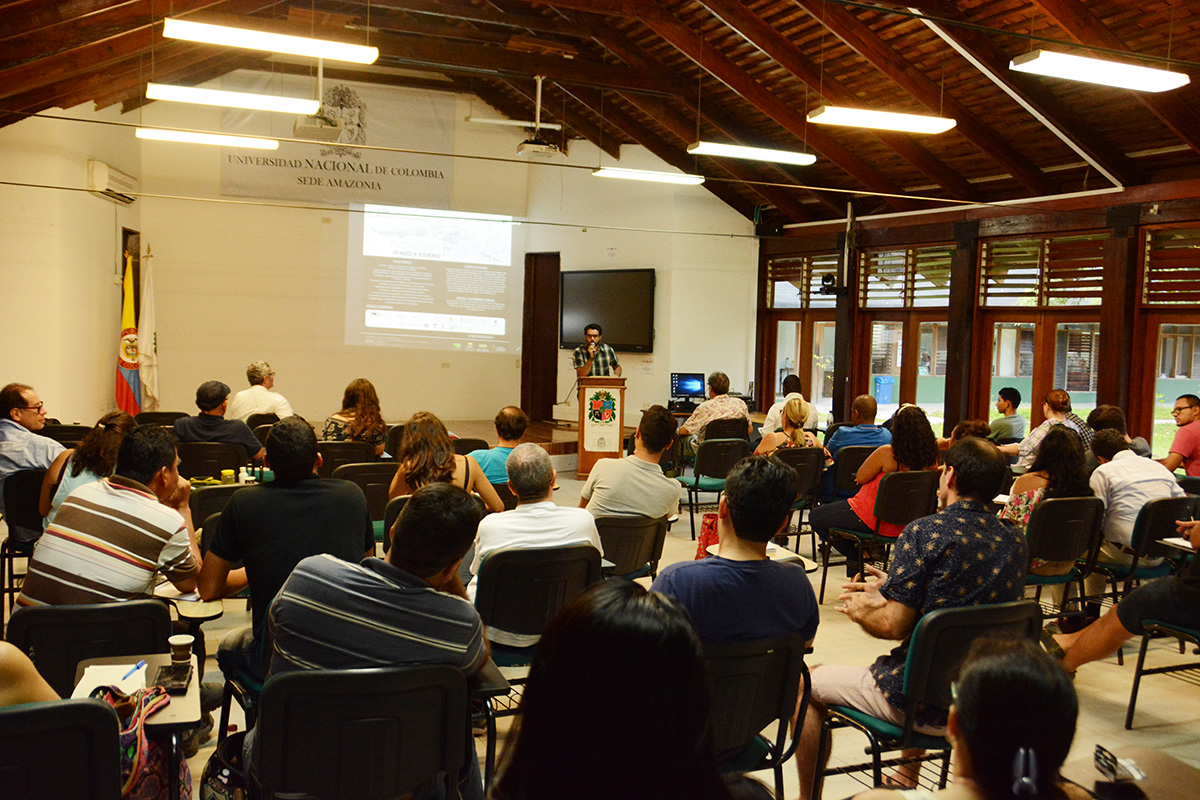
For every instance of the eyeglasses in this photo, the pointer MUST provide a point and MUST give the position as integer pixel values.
(1180, 409)
(38, 407)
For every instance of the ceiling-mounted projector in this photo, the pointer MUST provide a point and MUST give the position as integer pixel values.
(317, 128)
(538, 148)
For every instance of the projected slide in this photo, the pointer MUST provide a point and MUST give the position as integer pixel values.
(432, 279)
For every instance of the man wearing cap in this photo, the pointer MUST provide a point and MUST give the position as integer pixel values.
(210, 424)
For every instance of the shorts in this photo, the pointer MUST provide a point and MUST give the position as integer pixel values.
(844, 685)
(1154, 600)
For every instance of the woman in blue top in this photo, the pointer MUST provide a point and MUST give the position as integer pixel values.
(93, 460)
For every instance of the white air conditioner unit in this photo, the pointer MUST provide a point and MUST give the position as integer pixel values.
(111, 183)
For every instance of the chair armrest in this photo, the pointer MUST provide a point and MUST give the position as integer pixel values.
(488, 682)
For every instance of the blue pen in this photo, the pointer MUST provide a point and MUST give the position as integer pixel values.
(136, 667)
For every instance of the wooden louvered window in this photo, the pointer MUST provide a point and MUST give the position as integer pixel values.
(1171, 274)
(795, 282)
(1032, 273)
(905, 278)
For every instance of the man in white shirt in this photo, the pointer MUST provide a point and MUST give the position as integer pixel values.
(635, 485)
(22, 414)
(535, 522)
(259, 399)
(774, 419)
(1125, 482)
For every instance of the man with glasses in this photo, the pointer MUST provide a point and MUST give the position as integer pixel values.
(1185, 449)
(22, 413)
(259, 399)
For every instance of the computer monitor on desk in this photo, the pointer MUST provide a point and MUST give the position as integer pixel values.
(687, 389)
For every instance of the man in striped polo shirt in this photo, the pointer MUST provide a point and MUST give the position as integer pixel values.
(407, 609)
(111, 538)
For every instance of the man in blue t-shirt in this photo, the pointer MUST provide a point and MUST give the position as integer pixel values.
(510, 423)
(740, 594)
(862, 431)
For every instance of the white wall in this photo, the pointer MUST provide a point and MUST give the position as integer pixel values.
(239, 281)
(60, 310)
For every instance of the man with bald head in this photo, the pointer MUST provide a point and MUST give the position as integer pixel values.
(510, 424)
(861, 432)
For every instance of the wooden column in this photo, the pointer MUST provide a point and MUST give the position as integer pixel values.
(960, 318)
(844, 320)
(1118, 307)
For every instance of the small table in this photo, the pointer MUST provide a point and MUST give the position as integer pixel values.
(182, 713)
(1167, 778)
(777, 554)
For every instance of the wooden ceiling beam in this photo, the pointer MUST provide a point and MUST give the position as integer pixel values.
(98, 55)
(1034, 92)
(647, 138)
(784, 200)
(475, 14)
(179, 70)
(1082, 25)
(883, 57)
(363, 75)
(29, 16)
(760, 34)
(570, 120)
(713, 61)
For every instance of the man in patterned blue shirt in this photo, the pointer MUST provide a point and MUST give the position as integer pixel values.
(960, 556)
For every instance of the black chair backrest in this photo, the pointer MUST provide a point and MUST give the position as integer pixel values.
(254, 420)
(394, 434)
(1189, 483)
(753, 684)
(21, 492)
(373, 478)
(335, 454)
(260, 433)
(1156, 521)
(846, 464)
(715, 457)
(1065, 528)
(159, 417)
(942, 638)
(391, 513)
(65, 433)
(833, 426)
(521, 589)
(207, 459)
(369, 733)
(464, 446)
(809, 463)
(632, 542)
(57, 638)
(506, 496)
(727, 429)
(905, 496)
(207, 531)
(208, 500)
(66, 748)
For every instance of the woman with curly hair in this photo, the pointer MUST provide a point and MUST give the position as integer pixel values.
(93, 460)
(913, 448)
(427, 456)
(360, 419)
(1058, 471)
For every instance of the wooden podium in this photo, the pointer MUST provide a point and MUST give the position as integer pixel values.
(601, 421)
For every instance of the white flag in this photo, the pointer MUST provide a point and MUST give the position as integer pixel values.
(148, 351)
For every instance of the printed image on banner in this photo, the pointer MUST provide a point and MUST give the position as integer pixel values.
(601, 429)
(336, 172)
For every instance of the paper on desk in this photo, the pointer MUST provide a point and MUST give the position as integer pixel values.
(1178, 541)
(110, 675)
(771, 547)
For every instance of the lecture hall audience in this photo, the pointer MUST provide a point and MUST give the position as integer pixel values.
(22, 415)
(360, 419)
(427, 456)
(93, 460)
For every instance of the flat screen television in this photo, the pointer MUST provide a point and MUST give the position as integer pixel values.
(621, 301)
(687, 384)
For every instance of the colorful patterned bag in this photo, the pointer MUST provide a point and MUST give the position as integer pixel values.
(144, 763)
(708, 535)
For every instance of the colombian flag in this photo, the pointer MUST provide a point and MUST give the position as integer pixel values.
(129, 385)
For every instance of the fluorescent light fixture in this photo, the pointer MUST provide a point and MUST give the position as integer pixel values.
(648, 175)
(880, 120)
(1097, 70)
(273, 42)
(516, 123)
(751, 153)
(217, 97)
(195, 137)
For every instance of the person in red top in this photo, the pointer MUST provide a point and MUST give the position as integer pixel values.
(913, 447)
(1185, 448)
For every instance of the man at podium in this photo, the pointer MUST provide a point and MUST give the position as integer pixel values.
(593, 358)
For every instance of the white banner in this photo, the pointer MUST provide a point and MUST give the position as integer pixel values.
(381, 116)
